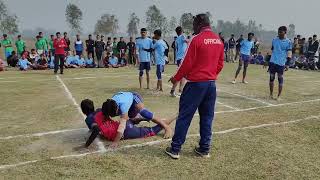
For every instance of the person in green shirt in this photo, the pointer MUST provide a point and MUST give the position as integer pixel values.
(20, 45)
(40, 46)
(7, 44)
(115, 47)
(51, 48)
(45, 42)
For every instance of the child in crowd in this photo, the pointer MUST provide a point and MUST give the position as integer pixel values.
(81, 62)
(42, 63)
(13, 59)
(90, 62)
(100, 123)
(71, 61)
(259, 59)
(33, 56)
(1, 65)
(24, 64)
(106, 59)
(113, 61)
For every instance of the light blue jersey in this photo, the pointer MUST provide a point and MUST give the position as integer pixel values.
(181, 47)
(280, 49)
(89, 61)
(70, 60)
(23, 64)
(80, 61)
(159, 47)
(246, 47)
(124, 101)
(113, 61)
(141, 44)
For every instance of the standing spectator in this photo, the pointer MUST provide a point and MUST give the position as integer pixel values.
(131, 47)
(90, 46)
(238, 46)
(313, 46)
(122, 48)
(78, 45)
(7, 44)
(99, 47)
(115, 47)
(304, 47)
(59, 45)
(173, 46)
(159, 47)
(226, 48)
(45, 43)
(40, 45)
(143, 57)
(255, 48)
(109, 45)
(201, 66)
(51, 51)
(66, 38)
(232, 48)
(296, 51)
(20, 45)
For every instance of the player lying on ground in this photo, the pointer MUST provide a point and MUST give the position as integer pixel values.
(98, 123)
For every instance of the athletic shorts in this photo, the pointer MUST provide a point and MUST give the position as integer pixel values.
(245, 58)
(134, 111)
(160, 70)
(134, 132)
(144, 66)
(8, 53)
(275, 68)
(178, 62)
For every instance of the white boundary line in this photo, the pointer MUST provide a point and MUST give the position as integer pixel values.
(218, 112)
(230, 107)
(159, 142)
(99, 143)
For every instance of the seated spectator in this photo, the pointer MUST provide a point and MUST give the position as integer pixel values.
(81, 62)
(71, 61)
(33, 56)
(259, 59)
(1, 65)
(90, 62)
(113, 61)
(13, 59)
(301, 62)
(24, 64)
(42, 63)
(51, 62)
(267, 60)
(106, 59)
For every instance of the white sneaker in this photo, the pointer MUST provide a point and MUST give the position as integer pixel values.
(234, 82)
(245, 82)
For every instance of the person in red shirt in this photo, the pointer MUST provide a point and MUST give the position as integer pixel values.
(201, 66)
(59, 45)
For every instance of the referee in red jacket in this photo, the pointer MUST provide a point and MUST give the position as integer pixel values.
(201, 66)
(59, 45)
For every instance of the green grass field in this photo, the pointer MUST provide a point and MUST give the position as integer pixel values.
(255, 137)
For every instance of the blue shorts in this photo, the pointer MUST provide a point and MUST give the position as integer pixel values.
(178, 62)
(144, 66)
(160, 70)
(8, 53)
(245, 58)
(275, 68)
(134, 132)
(133, 111)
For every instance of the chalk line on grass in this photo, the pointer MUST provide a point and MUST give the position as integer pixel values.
(225, 105)
(98, 142)
(159, 142)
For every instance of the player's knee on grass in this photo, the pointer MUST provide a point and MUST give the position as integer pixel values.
(141, 73)
(272, 78)
(145, 113)
(280, 80)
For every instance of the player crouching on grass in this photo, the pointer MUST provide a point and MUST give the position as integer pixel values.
(280, 59)
(98, 123)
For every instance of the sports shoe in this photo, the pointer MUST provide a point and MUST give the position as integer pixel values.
(245, 82)
(233, 82)
(201, 153)
(173, 155)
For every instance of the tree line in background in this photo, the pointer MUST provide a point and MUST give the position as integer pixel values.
(108, 24)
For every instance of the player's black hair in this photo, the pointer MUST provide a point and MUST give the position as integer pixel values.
(179, 30)
(65, 33)
(58, 33)
(40, 33)
(250, 34)
(90, 35)
(314, 35)
(19, 36)
(202, 20)
(143, 30)
(283, 28)
(157, 32)
(109, 38)
(87, 106)
(5, 35)
(109, 108)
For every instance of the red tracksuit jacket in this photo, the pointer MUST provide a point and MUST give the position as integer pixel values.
(59, 46)
(204, 58)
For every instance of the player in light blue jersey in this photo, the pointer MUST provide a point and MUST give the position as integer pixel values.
(280, 59)
(143, 56)
(159, 47)
(181, 45)
(245, 57)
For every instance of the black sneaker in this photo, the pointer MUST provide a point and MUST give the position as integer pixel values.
(201, 153)
(61, 72)
(173, 155)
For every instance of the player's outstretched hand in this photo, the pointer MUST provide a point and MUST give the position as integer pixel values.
(168, 133)
(172, 80)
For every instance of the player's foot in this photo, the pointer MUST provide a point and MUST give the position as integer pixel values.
(173, 155)
(201, 153)
(161, 90)
(245, 82)
(61, 72)
(271, 97)
(234, 82)
(278, 98)
(172, 94)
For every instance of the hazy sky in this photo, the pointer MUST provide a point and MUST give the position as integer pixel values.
(270, 13)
